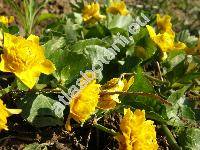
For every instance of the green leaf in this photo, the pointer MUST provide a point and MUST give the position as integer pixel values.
(188, 113)
(82, 44)
(149, 48)
(189, 139)
(45, 16)
(179, 108)
(62, 29)
(115, 31)
(68, 64)
(13, 29)
(97, 31)
(73, 65)
(190, 76)
(174, 58)
(5, 90)
(155, 116)
(141, 84)
(185, 37)
(118, 21)
(21, 85)
(177, 95)
(36, 146)
(97, 54)
(38, 110)
(54, 45)
(177, 72)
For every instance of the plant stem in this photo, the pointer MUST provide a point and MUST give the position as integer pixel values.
(155, 79)
(170, 138)
(157, 97)
(102, 128)
(159, 70)
(46, 91)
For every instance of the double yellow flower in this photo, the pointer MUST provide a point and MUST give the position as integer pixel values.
(117, 8)
(84, 103)
(91, 13)
(25, 58)
(137, 133)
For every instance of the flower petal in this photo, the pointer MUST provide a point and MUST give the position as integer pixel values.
(106, 102)
(29, 77)
(128, 84)
(34, 39)
(83, 104)
(179, 46)
(151, 31)
(14, 111)
(164, 22)
(47, 67)
(2, 65)
(137, 132)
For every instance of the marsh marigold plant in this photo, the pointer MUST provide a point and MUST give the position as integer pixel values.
(137, 133)
(25, 58)
(117, 8)
(5, 113)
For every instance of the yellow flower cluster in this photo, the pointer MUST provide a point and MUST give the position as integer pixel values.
(85, 102)
(137, 133)
(165, 39)
(5, 113)
(5, 20)
(117, 8)
(25, 58)
(91, 12)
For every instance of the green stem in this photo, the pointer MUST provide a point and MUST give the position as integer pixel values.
(102, 128)
(155, 96)
(170, 138)
(156, 80)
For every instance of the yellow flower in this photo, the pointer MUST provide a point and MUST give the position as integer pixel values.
(91, 13)
(164, 23)
(83, 104)
(5, 20)
(137, 132)
(128, 84)
(117, 8)
(107, 101)
(5, 113)
(165, 40)
(25, 58)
